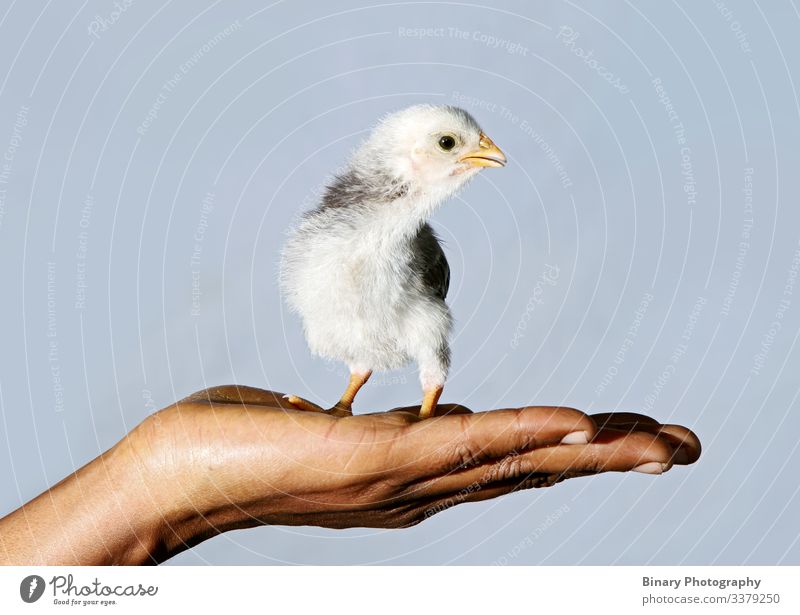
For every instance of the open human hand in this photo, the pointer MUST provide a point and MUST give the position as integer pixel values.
(232, 457)
(242, 456)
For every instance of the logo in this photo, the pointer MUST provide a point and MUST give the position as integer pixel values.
(31, 588)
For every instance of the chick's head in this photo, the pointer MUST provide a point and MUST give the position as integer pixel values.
(434, 148)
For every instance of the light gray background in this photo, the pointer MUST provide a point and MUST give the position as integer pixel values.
(276, 104)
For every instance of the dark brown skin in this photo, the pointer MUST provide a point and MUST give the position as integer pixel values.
(234, 457)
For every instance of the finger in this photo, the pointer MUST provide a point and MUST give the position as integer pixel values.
(238, 394)
(685, 442)
(446, 443)
(446, 501)
(441, 503)
(621, 451)
(609, 451)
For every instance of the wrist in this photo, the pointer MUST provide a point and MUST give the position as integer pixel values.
(184, 486)
(158, 490)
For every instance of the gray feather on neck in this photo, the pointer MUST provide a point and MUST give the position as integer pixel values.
(353, 188)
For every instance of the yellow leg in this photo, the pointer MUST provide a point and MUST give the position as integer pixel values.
(429, 401)
(357, 380)
(344, 407)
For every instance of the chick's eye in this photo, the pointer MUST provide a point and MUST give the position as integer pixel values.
(447, 142)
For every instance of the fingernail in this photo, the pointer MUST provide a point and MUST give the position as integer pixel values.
(576, 437)
(652, 467)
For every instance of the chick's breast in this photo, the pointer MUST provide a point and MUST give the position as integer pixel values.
(352, 298)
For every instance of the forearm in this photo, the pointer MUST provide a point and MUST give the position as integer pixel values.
(103, 514)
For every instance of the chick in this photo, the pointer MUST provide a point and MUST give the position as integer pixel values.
(365, 271)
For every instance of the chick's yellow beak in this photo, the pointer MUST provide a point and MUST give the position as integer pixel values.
(487, 155)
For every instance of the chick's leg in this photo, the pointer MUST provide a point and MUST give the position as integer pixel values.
(358, 379)
(429, 400)
(433, 367)
(344, 407)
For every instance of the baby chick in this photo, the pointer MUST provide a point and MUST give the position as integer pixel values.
(365, 271)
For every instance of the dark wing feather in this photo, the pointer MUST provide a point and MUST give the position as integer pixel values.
(430, 262)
